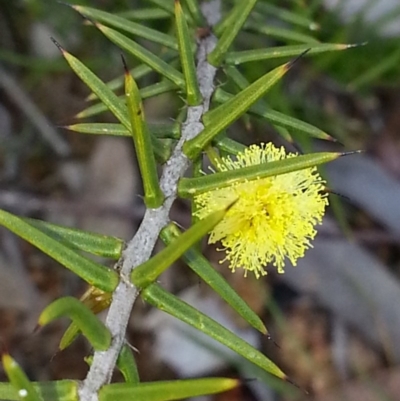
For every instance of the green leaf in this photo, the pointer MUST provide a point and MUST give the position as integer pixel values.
(97, 301)
(216, 120)
(102, 91)
(161, 143)
(236, 19)
(156, 89)
(242, 83)
(202, 267)
(261, 109)
(188, 187)
(8, 392)
(280, 33)
(91, 327)
(246, 56)
(69, 336)
(138, 72)
(61, 390)
(96, 244)
(193, 95)
(19, 380)
(195, 12)
(112, 129)
(284, 133)
(166, 130)
(161, 299)
(161, 146)
(153, 196)
(162, 149)
(263, 8)
(144, 14)
(166, 390)
(276, 118)
(161, 131)
(95, 274)
(127, 365)
(95, 109)
(228, 145)
(236, 76)
(213, 157)
(128, 26)
(144, 55)
(225, 22)
(111, 101)
(149, 91)
(148, 272)
(164, 5)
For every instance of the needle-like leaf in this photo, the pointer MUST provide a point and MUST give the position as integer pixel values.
(147, 57)
(193, 95)
(18, 379)
(153, 196)
(237, 18)
(193, 186)
(163, 300)
(91, 327)
(166, 390)
(217, 120)
(95, 274)
(202, 267)
(128, 26)
(148, 272)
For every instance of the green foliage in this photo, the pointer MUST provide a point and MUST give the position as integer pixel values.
(153, 196)
(193, 95)
(148, 272)
(203, 268)
(229, 28)
(157, 143)
(92, 272)
(160, 298)
(93, 243)
(20, 382)
(93, 329)
(127, 365)
(194, 186)
(218, 119)
(165, 391)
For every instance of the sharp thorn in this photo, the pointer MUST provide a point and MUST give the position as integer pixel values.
(126, 69)
(57, 44)
(352, 152)
(295, 60)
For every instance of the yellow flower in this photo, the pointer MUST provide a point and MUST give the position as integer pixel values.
(274, 217)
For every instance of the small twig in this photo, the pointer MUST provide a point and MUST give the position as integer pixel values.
(139, 249)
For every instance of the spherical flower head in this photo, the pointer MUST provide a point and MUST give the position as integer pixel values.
(273, 218)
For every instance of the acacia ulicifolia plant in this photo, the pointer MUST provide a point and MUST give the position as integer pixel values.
(260, 202)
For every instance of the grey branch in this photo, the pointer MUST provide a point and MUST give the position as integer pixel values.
(140, 247)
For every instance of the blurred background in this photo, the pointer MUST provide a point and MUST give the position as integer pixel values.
(335, 318)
